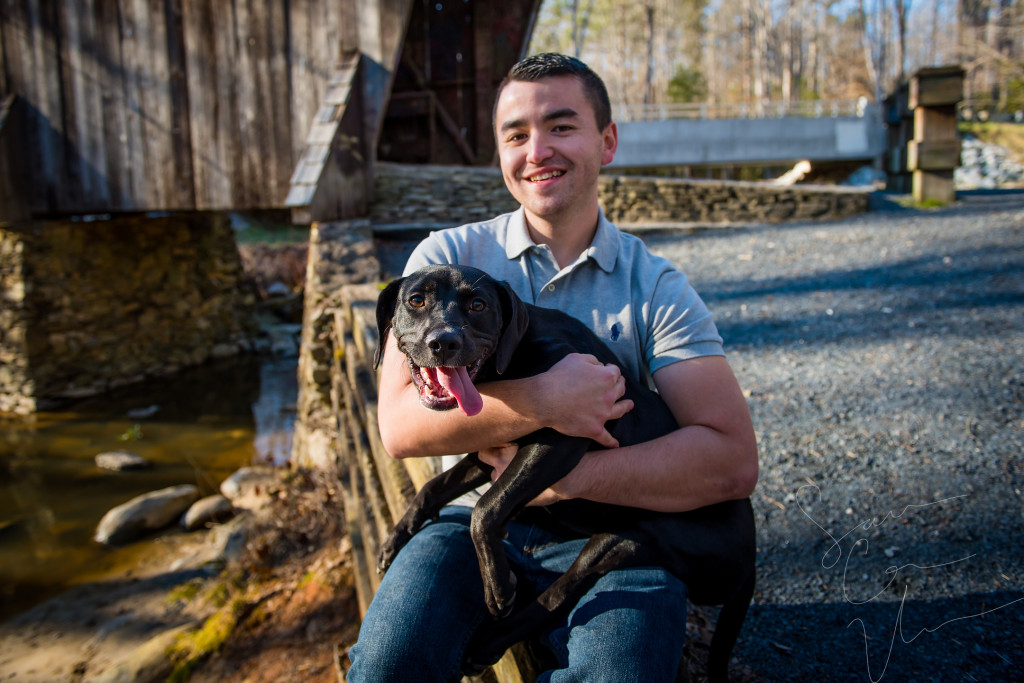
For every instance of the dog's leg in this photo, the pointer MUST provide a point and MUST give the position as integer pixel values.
(727, 630)
(465, 476)
(544, 461)
(601, 554)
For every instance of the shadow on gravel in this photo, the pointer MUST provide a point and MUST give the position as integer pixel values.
(888, 641)
(936, 286)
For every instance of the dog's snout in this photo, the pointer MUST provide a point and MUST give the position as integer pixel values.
(444, 344)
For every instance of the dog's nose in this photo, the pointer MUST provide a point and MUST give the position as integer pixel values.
(444, 344)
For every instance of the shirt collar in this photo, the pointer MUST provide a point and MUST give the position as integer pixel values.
(604, 249)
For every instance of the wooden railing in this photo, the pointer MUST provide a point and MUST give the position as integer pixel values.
(377, 487)
(742, 110)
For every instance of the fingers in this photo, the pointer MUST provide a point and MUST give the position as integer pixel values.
(498, 457)
(606, 439)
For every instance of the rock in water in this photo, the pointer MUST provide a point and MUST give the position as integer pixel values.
(148, 512)
(247, 481)
(214, 508)
(119, 461)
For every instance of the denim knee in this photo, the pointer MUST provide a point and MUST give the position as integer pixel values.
(427, 607)
(631, 626)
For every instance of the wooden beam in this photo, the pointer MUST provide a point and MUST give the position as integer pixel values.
(442, 114)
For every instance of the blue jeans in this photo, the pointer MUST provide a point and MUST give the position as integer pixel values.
(630, 626)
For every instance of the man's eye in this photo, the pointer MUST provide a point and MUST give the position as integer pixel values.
(416, 301)
(477, 305)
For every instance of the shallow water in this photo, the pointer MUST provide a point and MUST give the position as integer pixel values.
(196, 428)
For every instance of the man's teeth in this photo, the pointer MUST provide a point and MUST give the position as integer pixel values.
(546, 176)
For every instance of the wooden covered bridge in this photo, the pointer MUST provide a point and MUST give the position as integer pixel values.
(178, 105)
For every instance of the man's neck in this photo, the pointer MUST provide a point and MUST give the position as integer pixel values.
(567, 239)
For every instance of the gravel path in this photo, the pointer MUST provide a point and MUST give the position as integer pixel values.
(883, 357)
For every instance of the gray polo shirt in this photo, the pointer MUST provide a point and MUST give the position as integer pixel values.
(639, 304)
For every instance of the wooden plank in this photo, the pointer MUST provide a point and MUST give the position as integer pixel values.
(933, 186)
(14, 193)
(279, 143)
(85, 81)
(483, 79)
(250, 88)
(181, 185)
(935, 124)
(933, 155)
(354, 523)
(304, 96)
(354, 423)
(39, 85)
(210, 46)
(936, 86)
(139, 101)
(114, 123)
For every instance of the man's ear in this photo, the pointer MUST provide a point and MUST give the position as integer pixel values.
(610, 143)
(514, 321)
(386, 303)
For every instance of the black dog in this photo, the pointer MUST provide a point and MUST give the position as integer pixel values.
(457, 325)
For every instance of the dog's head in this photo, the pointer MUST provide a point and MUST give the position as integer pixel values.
(449, 321)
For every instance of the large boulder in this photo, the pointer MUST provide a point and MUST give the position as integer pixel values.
(145, 513)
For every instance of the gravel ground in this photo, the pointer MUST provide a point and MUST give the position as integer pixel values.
(883, 358)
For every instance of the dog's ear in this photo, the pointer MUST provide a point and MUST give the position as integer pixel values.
(386, 303)
(514, 321)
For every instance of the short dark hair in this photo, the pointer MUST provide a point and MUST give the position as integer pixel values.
(549, 64)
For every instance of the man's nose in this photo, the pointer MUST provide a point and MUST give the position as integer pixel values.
(538, 148)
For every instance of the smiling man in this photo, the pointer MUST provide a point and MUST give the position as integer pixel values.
(552, 122)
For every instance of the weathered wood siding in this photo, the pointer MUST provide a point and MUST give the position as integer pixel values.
(167, 104)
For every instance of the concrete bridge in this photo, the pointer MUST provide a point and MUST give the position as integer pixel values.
(749, 134)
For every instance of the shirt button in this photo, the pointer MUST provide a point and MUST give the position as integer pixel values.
(551, 288)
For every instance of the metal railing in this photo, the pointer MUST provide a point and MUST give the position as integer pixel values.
(742, 110)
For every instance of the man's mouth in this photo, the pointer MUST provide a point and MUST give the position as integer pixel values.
(442, 388)
(545, 176)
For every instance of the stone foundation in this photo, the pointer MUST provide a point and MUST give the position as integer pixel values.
(88, 306)
(452, 195)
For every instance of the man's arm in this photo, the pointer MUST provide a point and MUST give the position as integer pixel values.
(711, 458)
(512, 408)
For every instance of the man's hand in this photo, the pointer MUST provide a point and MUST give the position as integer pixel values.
(499, 458)
(579, 395)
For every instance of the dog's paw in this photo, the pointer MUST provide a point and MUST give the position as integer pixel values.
(389, 550)
(501, 599)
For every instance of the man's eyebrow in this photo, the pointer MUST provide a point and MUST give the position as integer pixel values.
(563, 113)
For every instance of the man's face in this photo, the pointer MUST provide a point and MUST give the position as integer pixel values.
(550, 148)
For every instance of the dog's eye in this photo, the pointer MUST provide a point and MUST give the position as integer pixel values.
(477, 305)
(416, 301)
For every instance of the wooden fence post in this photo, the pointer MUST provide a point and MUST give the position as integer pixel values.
(934, 153)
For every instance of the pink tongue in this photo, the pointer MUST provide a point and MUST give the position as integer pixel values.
(459, 385)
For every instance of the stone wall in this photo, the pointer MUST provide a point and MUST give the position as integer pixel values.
(452, 195)
(340, 253)
(87, 306)
(638, 201)
(437, 195)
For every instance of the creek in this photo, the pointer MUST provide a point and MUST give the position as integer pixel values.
(196, 427)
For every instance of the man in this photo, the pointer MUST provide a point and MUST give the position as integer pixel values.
(554, 131)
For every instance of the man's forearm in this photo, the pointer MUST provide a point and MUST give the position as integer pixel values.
(577, 397)
(410, 430)
(684, 470)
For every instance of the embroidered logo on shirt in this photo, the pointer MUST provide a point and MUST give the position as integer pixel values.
(616, 331)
